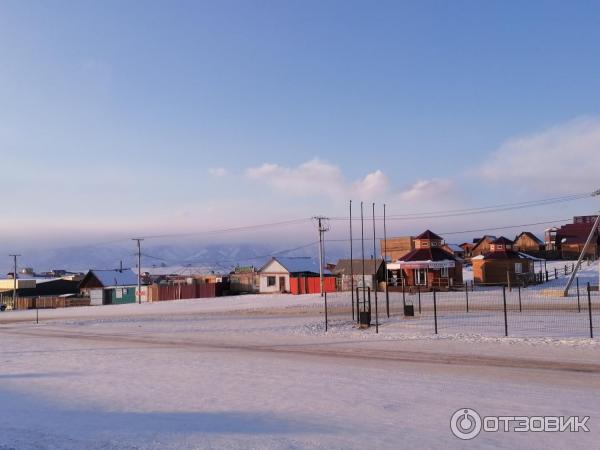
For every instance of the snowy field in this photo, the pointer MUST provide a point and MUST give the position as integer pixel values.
(261, 372)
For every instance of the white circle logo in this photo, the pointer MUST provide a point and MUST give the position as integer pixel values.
(465, 423)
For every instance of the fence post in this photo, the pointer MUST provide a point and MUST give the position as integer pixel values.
(555, 273)
(351, 293)
(590, 311)
(505, 317)
(357, 305)
(403, 297)
(520, 306)
(578, 300)
(508, 280)
(419, 294)
(376, 315)
(435, 312)
(325, 311)
(467, 295)
(387, 300)
(547, 276)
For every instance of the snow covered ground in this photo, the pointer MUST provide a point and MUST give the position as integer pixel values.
(261, 372)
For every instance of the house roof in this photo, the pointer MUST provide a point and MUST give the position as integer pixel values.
(296, 264)
(455, 248)
(574, 233)
(487, 238)
(503, 240)
(429, 254)
(114, 277)
(343, 266)
(531, 236)
(504, 254)
(428, 234)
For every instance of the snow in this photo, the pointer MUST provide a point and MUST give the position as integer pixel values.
(259, 371)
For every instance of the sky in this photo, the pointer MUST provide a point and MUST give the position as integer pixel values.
(122, 119)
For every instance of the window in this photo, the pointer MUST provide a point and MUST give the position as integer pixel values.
(434, 243)
(444, 272)
(420, 277)
(424, 243)
(518, 267)
(271, 281)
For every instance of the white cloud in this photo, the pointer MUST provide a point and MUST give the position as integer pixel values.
(316, 177)
(428, 190)
(564, 158)
(217, 171)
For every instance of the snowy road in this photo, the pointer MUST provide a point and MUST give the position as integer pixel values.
(199, 374)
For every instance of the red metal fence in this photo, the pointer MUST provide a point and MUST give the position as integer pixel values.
(311, 285)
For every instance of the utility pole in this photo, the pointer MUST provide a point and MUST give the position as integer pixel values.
(14, 302)
(322, 228)
(139, 255)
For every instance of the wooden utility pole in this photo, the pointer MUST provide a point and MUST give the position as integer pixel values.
(139, 255)
(14, 302)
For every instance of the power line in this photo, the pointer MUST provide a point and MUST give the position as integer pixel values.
(505, 227)
(482, 209)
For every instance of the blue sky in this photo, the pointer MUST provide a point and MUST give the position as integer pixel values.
(122, 118)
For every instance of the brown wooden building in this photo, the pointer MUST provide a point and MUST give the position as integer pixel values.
(501, 264)
(529, 243)
(571, 238)
(396, 247)
(482, 245)
(428, 265)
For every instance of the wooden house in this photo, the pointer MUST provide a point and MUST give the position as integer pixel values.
(502, 264)
(528, 242)
(571, 239)
(482, 245)
(467, 249)
(428, 265)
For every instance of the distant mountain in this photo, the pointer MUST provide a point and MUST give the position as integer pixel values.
(220, 257)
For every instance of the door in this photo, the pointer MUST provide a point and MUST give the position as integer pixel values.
(281, 284)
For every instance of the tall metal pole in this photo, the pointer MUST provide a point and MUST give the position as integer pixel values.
(362, 241)
(375, 279)
(14, 302)
(352, 265)
(139, 255)
(387, 294)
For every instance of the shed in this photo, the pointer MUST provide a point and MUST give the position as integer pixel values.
(107, 287)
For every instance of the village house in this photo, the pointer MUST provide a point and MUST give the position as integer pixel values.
(108, 287)
(482, 245)
(428, 265)
(571, 238)
(290, 274)
(502, 265)
(350, 273)
(528, 242)
(467, 249)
